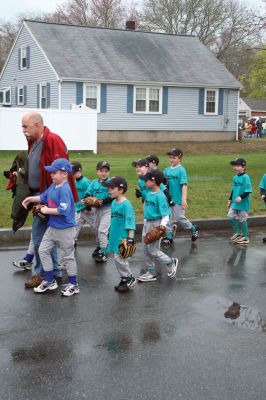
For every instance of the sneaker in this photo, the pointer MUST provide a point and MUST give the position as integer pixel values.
(242, 240)
(147, 277)
(96, 252)
(195, 235)
(172, 269)
(24, 264)
(235, 237)
(165, 242)
(125, 284)
(33, 282)
(70, 289)
(44, 286)
(100, 258)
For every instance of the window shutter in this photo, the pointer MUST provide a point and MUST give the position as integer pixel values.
(165, 100)
(19, 58)
(48, 88)
(79, 92)
(16, 95)
(38, 95)
(130, 98)
(103, 97)
(25, 95)
(28, 56)
(201, 100)
(221, 102)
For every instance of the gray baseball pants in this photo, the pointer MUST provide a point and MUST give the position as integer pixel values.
(62, 238)
(102, 225)
(122, 266)
(82, 217)
(179, 213)
(152, 252)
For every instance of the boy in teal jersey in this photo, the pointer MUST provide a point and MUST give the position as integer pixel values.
(82, 185)
(102, 213)
(142, 167)
(156, 213)
(262, 187)
(153, 161)
(239, 202)
(122, 227)
(177, 183)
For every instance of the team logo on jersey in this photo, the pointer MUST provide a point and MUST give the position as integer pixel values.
(63, 206)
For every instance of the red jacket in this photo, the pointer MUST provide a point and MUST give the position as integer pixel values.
(53, 147)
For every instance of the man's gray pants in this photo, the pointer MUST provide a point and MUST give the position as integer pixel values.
(102, 225)
(152, 252)
(62, 238)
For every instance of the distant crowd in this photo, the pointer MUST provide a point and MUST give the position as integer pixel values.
(253, 127)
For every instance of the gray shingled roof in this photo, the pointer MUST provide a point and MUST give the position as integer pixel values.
(255, 104)
(129, 56)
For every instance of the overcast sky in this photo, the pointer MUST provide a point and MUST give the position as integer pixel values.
(11, 8)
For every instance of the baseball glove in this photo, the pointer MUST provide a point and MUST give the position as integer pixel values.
(36, 212)
(233, 311)
(154, 234)
(127, 248)
(92, 202)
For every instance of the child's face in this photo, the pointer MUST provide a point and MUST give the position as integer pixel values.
(77, 174)
(150, 183)
(152, 165)
(58, 177)
(103, 173)
(175, 160)
(239, 169)
(115, 192)
(142, 170)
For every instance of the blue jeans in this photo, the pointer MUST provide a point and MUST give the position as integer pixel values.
(38, 229)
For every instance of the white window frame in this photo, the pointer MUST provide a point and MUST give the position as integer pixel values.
(40, 99)
(148, 99)
(21, 103)
(23, 50)
(216, 101)
(98, 93)
(4, 91)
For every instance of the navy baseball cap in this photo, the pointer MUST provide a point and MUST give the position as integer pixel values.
(60, 164)
(154, 175)
(116, 181)
(175, 152)
(153, 159)
(76, 166)
(239, 161)
(103, 164)
(142, 162)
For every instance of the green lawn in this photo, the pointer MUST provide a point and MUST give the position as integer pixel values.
(210, 179)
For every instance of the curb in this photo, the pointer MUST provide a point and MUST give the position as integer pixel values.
(87, 233)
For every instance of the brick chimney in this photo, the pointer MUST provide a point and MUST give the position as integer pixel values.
(130, 25)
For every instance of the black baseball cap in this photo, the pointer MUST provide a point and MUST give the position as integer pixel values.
(116, 181)
(175, 152)
(154, 175)
(102, 164)
(154, 159)
(142, 162)
(76, 166)
(239, 161)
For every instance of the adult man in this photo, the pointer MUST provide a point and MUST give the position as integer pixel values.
(43, 148)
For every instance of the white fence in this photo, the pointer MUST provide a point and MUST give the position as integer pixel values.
(77, 127)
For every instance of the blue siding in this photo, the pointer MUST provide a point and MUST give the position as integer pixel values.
(221, 102)
(165, 100)
(39, 72)
(201, 100)
(130, 98)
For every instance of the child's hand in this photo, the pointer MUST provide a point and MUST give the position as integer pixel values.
(228, 203)
(45, 210)
(184, 204)
(26, 202)
(263, 197)
(238, 199)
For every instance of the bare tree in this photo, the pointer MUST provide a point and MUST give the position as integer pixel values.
(108, 13)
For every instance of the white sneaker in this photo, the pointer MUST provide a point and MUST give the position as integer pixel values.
(172, 269)
(147, 277)
(242, 240)
(24, 264)
(44, 286)
(69, 289)
(235, 237)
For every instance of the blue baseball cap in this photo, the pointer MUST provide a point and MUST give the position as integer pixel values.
(60, 164)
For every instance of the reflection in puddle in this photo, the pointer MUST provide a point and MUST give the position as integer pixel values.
(43, 351)
(150, 332)
(117, 343)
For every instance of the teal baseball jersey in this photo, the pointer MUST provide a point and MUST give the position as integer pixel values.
(156, 205)
(241, 184)
(144, 190)
(122, 220)
(176, 178)
(96, 189)
(82, 185)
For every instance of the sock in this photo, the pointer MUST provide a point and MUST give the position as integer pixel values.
(244, 229)
(49, 276)
(29, 257)
(72, 279)
(193, 229)
(170, 261)
(152, 270)
(235, 226)
(169, 235)
(103, 250)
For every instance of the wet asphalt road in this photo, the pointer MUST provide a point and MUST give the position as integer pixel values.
(165, 340)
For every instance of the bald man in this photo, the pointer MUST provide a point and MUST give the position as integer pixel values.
(43, 148)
